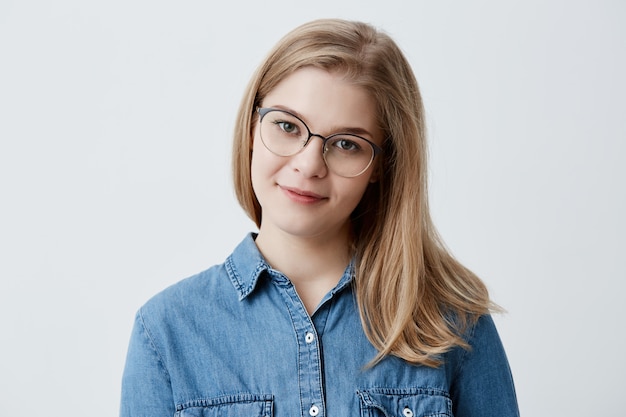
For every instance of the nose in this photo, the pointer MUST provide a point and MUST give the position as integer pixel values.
(310, 160)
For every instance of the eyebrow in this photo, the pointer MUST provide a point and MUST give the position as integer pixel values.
(352, 130)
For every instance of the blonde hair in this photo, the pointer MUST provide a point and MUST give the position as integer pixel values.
(415, 299)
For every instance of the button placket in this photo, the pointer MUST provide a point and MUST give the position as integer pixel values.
(310, 377)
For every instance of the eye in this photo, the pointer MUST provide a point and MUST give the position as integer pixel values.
(347, 145)
(287, 127)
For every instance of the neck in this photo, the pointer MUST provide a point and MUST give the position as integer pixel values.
(313, 264)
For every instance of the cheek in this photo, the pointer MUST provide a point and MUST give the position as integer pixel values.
(257, 146)
(263, 164)
(364, 182)
(354, 192)
(255, 140)
(253, 135)
(255, 167)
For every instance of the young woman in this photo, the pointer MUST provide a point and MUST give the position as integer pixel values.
(346, 302)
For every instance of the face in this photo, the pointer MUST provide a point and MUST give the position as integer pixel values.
(298, 194)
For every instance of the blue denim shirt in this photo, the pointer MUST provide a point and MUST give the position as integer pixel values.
(236, 340)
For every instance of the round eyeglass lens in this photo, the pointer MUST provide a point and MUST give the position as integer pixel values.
(282, 133)
(348, 155)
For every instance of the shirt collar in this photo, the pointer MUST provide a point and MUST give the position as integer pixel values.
(246, 264)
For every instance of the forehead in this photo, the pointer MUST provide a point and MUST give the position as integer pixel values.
(326, 101)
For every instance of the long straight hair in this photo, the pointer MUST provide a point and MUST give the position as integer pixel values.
(415, 299)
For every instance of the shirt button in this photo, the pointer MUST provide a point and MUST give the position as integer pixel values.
(310, 337)
(407, 412)
(314, 410)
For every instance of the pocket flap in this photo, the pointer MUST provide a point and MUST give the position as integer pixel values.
(247, 405)
(411, 402)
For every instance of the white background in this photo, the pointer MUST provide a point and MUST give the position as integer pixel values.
(115, 127)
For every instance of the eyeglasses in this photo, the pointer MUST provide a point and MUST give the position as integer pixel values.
(285, 134)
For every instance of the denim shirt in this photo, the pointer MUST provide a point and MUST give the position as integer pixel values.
(236, 340)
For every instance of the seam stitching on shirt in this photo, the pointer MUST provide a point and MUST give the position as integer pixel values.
(154, 348)
(234, 277)
(466, 352)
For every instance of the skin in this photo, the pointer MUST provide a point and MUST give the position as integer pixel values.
(305, 228)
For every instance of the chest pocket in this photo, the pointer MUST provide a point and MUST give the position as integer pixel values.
(411, 402)
(241, 405)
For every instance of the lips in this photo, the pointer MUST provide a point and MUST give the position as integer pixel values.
(301, 196)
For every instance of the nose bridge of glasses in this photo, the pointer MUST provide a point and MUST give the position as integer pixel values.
(316, 135)
(311, 159)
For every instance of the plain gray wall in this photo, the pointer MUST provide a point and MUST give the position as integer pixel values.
(115, 126)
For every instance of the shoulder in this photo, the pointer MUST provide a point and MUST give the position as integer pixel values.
(484, 349)
(188, 295)
(209, 294)
(483, 337)
(483, 330)
(480, 375)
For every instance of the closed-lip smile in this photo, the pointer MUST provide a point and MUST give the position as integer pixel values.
(301, 196)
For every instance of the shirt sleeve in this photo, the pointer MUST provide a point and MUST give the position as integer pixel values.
(483, 384)
(146, 387)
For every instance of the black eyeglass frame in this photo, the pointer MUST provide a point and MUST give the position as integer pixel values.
(262, 111)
